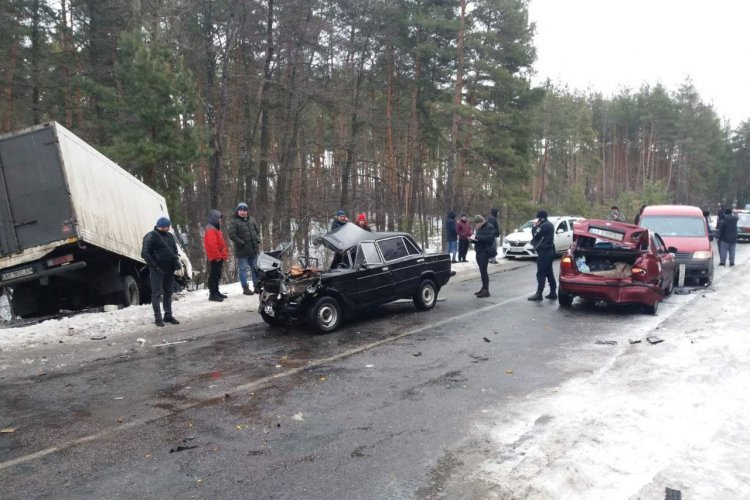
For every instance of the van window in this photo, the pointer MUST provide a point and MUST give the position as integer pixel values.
(670, 225)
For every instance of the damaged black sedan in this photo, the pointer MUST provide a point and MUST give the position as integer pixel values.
(368, 270)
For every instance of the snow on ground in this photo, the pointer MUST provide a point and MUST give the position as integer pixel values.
(187, 307)
(645, 418)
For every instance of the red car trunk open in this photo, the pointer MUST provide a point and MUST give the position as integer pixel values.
(616, 262)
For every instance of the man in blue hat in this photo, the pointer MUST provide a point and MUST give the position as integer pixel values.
(160, 253)
(339, 221)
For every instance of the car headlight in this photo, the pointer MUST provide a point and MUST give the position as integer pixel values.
(702, 255)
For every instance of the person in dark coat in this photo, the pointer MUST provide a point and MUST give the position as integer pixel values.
(339, 220)
(160, 253)
(216, 253)
(245, 234)
(727, 231)
(543, 240)
(492, 219)
(484, 246)
(451, 235)
(463, 228)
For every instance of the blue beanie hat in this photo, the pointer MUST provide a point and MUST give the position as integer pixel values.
(163, 222)
(340, 212)
(241, 205)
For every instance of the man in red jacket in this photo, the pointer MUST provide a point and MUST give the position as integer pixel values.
(216, 252)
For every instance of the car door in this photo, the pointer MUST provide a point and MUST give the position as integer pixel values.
(666, 258)
(563, 235)
(374, 282)
(404, 269)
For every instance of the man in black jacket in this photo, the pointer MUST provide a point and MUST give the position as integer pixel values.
(543, 240)
(160, 253)
(484, 246)
(493, 221)
(245, 234)
(451, 235)
(727, 229)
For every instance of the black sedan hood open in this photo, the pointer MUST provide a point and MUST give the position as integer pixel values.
(349, 236)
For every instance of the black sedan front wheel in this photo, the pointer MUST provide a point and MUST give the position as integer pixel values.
(325, 315)
(426, 296)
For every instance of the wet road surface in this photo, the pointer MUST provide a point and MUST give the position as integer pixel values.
(378, 409)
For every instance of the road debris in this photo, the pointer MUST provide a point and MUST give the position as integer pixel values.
(298, 417)
(8, 430)
(486, 339)
(606, 342)
(98, 337)
(141, 341)
(509, 371)
(417, 354)
(653, 339)
(634, 341)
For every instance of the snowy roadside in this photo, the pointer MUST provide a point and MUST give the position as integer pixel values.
(642, 417)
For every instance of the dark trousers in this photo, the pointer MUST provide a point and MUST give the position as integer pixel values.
(463, 247)
(161, 291)
(544, 270)
(727, 248)
(214, 274)
(482, 261)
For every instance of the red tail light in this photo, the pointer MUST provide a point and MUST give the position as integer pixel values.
(566, 263)
(58, 261)
(638, 273)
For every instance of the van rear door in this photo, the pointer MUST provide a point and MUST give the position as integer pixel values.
(35, 206)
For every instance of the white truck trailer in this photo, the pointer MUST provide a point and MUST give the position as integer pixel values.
(72, 224)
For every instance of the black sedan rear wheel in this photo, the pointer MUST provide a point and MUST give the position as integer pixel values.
(426, 296)
(325, 315)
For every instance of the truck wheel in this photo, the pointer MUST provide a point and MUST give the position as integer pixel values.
(325, 315)
(565, 299)
(426, 296)
(130, 295)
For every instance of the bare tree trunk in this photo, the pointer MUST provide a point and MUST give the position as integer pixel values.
(261, 208)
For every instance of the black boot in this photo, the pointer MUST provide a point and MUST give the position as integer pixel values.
(159, 322)
(552, 295)
(536, 296)
(246, 291)
(483, 293)
(168, 318)
(479, 291)
(215, 298)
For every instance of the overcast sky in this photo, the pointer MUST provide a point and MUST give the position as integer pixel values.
(604, 45)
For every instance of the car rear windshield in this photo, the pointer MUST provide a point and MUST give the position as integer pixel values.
(669, 225)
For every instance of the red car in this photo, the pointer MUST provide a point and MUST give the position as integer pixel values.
(618, 263)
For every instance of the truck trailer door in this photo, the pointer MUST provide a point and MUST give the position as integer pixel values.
(35, 206)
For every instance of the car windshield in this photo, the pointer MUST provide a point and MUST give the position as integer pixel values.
(527, 226)
(670, 225)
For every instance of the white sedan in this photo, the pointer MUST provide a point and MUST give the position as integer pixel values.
(517, 244)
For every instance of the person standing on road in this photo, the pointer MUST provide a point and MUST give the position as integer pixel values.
(451, 235)
(160, 253)
(492, 219)
(244, 233)
(484, 246)
(216, 252)
(543, 240)
(463, 228)
(339, 220)
(727, 230)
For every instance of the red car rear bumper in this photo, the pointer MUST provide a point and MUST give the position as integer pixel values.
(618, 291)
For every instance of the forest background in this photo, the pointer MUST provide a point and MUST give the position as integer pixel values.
(399, 109)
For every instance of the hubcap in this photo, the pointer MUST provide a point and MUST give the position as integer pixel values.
(428, 295)
(327, 315)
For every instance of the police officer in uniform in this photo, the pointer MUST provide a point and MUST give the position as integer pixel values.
(543, 240)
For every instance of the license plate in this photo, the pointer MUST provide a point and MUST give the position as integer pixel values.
(17, 274)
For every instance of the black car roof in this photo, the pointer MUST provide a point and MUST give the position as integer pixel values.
(350, 235)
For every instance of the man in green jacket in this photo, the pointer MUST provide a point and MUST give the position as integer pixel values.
(244, 233)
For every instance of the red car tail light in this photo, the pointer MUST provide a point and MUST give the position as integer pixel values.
(638, 273)
(566, 263)
(57, 261)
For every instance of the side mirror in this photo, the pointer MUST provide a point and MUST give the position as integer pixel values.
(672, 249)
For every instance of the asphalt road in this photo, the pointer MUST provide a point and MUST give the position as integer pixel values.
(379, 409)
